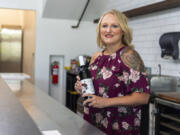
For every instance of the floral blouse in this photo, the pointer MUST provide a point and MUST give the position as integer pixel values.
(112, 78)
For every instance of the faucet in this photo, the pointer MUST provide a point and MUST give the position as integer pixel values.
(159, 65)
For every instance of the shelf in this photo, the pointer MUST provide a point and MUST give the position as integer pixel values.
(170, 126)
(159, 6)
(170, 117)
(164, 133)
(72, 92)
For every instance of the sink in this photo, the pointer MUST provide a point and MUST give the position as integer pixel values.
(162, 82)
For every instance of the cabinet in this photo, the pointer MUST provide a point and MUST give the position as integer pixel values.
(71, 94)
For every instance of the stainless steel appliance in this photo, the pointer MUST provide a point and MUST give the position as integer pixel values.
(158, 83)
(10, 50)
(167, 118)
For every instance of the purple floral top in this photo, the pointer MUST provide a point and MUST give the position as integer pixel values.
(112, 78)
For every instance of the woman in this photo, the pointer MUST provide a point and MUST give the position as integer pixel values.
(119, 79)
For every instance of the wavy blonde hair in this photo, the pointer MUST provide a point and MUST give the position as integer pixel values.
(123, 23)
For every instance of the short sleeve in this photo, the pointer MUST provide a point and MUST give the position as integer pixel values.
(137, 82)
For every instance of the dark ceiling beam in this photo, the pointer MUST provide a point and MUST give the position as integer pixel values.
(79, 21)
(159, 6)
(164, 5)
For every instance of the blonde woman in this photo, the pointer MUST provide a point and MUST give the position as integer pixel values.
(119, 79)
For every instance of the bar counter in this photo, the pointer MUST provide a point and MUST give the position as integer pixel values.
(49, 114)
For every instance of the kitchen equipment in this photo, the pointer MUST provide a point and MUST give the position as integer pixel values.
(158, 83)
(162, 83)
(10, 50)
(167, 116)
(170, 45)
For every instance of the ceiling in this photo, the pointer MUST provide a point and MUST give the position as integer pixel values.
(72, 9)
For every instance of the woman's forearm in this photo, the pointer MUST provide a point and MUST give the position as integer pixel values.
(133, 99)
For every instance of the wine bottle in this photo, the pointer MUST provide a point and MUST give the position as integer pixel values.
(85, 78)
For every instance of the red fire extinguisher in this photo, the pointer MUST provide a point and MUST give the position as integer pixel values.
(54, 71)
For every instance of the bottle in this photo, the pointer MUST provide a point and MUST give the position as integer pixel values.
(85, 76)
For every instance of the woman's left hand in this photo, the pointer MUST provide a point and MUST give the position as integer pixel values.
(95, 101)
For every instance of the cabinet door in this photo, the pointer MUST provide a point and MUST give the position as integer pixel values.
(71, 95)
(70, 81)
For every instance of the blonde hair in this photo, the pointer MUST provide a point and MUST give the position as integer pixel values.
(122, 20)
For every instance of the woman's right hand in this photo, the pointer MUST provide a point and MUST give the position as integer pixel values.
(78, 85)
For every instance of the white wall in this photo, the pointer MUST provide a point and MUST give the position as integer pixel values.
(57, 37)
(19, 4)
(147, 30)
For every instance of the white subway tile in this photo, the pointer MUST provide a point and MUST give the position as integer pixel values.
(147, 30)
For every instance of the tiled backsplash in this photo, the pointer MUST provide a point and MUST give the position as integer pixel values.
(147, 30)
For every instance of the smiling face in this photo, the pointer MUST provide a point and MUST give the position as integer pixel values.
(110, 30)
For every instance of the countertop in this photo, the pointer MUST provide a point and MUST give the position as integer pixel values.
(14, 79)
(171, 96)
(14, 120)
(14, 76)
(48, 114)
